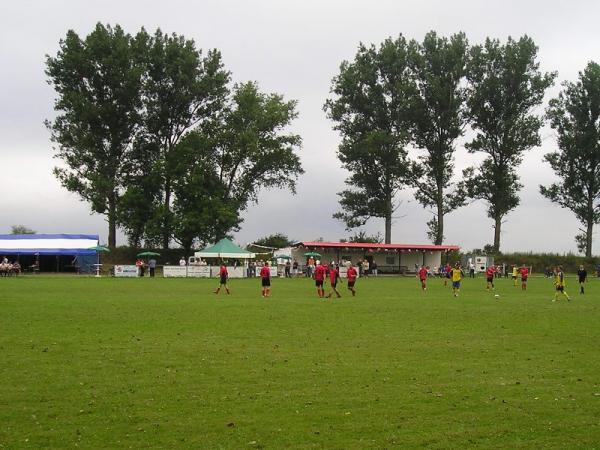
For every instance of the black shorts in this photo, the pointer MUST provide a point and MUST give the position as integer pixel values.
(490, 279)
(223, 279)
(334, 284)
(560, 288)
(351, 284)
(266, 282)
(523, 280)
(319, 283)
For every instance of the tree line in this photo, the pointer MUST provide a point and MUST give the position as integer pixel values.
(153, 133)
(407, 94)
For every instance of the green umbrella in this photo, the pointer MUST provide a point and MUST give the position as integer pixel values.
(148, 254)
(99, 248)
(313, 254)
(282, 257)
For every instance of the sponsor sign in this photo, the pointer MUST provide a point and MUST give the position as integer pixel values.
(174, 271)
(198, 271)
(126, 271)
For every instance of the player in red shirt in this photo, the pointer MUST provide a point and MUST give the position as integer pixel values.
(265, 275)
(489, 274)
(524, 271)
(224, 276)
(352, 273)
(334, 276)
(423, 277)
(320, 279)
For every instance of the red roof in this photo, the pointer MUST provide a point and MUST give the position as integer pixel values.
(366, 245)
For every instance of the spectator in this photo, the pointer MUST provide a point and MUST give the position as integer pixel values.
(151, 267)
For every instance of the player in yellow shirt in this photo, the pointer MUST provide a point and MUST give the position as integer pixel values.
(559, 283)
(457, 275)
(515, 272)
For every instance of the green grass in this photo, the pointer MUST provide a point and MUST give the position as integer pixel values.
(164, 363)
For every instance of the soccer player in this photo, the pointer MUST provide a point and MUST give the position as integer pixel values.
(524, 271)
(582, 275)
(223, 275)
(456, 274)
(489, 275)
(334, 276)
(352, 273)
(320, 279)
(265, 276)
(559, 283)
(423, 277)
(515, 272)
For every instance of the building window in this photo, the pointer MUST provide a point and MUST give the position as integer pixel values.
(390, 260)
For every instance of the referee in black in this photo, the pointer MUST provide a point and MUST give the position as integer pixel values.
(582, 274)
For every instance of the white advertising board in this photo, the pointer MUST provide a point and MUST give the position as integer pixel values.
(174, 271)
(233, 272)
(126, 271)
(236, 272)
(198, 271)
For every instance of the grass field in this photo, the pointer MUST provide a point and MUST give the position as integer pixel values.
(164, 363)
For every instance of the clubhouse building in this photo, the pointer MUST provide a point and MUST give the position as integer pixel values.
(390, 258)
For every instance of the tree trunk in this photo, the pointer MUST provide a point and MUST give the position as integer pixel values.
(588, 238)
(388, 219)
(112, 223)
(439, 236)
(497, 227)
(166, 232)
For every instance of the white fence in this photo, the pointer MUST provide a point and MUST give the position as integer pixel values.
(201, 271)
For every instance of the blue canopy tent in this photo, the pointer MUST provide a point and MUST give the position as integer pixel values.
(51, 252)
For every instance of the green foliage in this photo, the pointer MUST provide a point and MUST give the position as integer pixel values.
(125, 107)
(253, 151)
(219, 168)
(98, 81)
(439, 117)
(371, 110)
(541, 261)
(182, 90)
(505, 86)
(362, 236)
(277, 240)
(21, 229)
(575, 115)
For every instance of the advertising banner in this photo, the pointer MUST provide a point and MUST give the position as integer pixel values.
(174, 271)
(198, 271)
(126, 271)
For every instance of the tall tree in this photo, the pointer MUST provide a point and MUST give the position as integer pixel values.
(182, 90)
(371, 110)
(439, 65)
(202, 212)
(505, 85)
(253, 150)
(575, 115)
(98, 82)
(243, 150)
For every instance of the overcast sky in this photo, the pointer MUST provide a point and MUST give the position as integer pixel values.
(293, 48)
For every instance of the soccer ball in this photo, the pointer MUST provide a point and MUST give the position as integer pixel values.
(497, 295)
